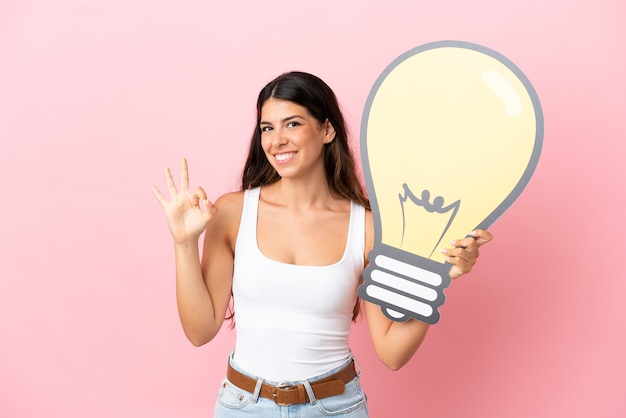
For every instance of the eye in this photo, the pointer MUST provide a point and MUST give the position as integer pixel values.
(266, 128)
(293, 124)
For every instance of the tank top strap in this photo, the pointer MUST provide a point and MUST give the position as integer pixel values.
(247, 226)
(356, 232)
(251, 204)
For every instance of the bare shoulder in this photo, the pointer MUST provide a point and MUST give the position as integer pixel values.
(230, 202)
(229, 207)
(225, 221)
(369, 218)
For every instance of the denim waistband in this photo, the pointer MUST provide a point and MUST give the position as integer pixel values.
(235, 366)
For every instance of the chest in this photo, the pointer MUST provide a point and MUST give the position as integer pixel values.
(310, 238)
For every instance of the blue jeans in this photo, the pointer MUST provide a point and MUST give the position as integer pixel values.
(233, 402)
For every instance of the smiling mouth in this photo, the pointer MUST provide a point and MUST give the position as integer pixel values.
(284, 157)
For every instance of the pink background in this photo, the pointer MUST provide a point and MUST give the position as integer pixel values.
(97, 96)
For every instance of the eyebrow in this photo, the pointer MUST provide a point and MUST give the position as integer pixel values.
(287, 119)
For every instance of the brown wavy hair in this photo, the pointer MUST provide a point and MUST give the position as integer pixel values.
(317, 97)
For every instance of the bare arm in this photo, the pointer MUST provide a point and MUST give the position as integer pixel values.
(395, 343)
(202, 289)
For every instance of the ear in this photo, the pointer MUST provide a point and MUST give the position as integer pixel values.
(329, 132)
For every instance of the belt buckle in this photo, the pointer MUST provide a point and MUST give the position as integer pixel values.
(281, 386)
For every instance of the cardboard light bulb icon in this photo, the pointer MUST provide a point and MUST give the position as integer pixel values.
(450, 136)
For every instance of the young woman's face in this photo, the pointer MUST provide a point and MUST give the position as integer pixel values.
(292, 139)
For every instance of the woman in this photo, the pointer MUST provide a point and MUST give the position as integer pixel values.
(290, 248)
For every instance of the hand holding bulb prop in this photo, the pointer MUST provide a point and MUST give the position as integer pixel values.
(438, 110)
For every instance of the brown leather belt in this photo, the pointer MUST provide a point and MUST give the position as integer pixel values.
(285, 395)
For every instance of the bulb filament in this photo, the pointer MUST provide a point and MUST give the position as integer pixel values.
(436, 206)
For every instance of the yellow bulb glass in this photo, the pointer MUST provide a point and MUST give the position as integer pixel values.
(451, 134)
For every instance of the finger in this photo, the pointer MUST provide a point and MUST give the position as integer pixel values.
(199, 193)
(466, 249)
(463, 258)
(459, 269)
(465, 243)
(159, 196)
(461, 255)
(209, 209)
(199, 197)
(184, 175)
(205, 204)
(171, 187)
(459, 266)
(481, 236)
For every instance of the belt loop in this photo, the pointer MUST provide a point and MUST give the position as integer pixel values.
(356, 363)
(358, 367)
(309, 391)
(257, 390)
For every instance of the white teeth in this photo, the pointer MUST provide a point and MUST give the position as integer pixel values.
(283, 157)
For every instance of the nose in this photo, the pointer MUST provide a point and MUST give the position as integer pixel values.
(280, 137)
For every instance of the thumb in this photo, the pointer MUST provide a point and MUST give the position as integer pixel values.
(481, 236)
(208, 209)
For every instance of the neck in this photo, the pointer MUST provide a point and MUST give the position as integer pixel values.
(300, 194)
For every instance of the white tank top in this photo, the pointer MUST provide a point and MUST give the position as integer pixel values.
(293, 321)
